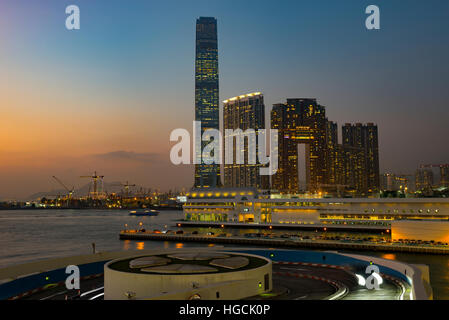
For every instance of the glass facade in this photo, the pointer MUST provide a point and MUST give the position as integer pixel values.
(206, 95)
(245, 112)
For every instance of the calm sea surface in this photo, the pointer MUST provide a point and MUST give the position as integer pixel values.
(30, 235)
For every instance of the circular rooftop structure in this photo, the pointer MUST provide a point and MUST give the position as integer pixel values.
(185, 275)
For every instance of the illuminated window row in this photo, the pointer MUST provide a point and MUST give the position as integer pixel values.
(403, 211)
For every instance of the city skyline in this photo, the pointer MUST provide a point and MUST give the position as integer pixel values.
(68, 127)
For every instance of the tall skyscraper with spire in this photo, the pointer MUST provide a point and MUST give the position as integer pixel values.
(206, 96)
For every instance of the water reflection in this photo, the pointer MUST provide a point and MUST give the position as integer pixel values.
(126, 244)
(389, 256)
(29, 235)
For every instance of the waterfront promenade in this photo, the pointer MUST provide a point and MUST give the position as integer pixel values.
(284, 243)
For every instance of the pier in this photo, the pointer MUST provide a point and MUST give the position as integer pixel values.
(284, 243)
(286, 226)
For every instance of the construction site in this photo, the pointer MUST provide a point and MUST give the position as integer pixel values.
(429, 180)
(100, 195)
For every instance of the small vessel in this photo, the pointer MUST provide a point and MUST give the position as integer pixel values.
(144, 213)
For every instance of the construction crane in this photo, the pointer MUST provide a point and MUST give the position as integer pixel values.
(69, 191)
(125, 186)
(95, 177)
(444, 172)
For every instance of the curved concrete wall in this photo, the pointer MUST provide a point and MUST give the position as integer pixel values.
(416, 276)
(230, 285)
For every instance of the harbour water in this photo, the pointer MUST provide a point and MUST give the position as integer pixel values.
(30, 235)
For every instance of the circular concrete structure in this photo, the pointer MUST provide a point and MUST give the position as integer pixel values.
(188, 275)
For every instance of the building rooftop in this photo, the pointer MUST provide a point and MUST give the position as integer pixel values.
(244, 96)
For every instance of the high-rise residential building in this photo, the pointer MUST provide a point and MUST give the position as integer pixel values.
(361, 144)
(332, 163)
(314, 117)
(424, 179)
(300, 121)
(444, 175)
(338, 160)
(356, 175)
(329, 166)
(372, 156)
(244, 115)
(206, 96)
(388, 182)
(395, 182)
(286, 121)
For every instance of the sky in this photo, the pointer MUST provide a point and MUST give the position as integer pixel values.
(107, 96)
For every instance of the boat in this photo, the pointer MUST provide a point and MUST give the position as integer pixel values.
(145, 213)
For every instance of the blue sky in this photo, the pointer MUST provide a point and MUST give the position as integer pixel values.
(134, 60)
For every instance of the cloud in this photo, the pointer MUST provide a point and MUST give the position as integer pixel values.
(129, 156)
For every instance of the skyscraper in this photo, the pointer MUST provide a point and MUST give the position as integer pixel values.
(356, 175)
(245, 112)
(206, 96)
(444, 175)
(314, 117)
(362, 148)
(424, 179)
(372, 157)
(333, 163)
(300, 121)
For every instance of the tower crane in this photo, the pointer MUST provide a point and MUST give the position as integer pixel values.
(69, 191)
(125, 186)
(95, 177)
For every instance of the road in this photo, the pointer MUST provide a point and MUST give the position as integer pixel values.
(91, 289)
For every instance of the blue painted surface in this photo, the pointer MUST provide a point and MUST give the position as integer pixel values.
(324, 258)
(13, 288)
(18, 286)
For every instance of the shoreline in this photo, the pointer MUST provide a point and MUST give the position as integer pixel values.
(278, 243)
(77, 208)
